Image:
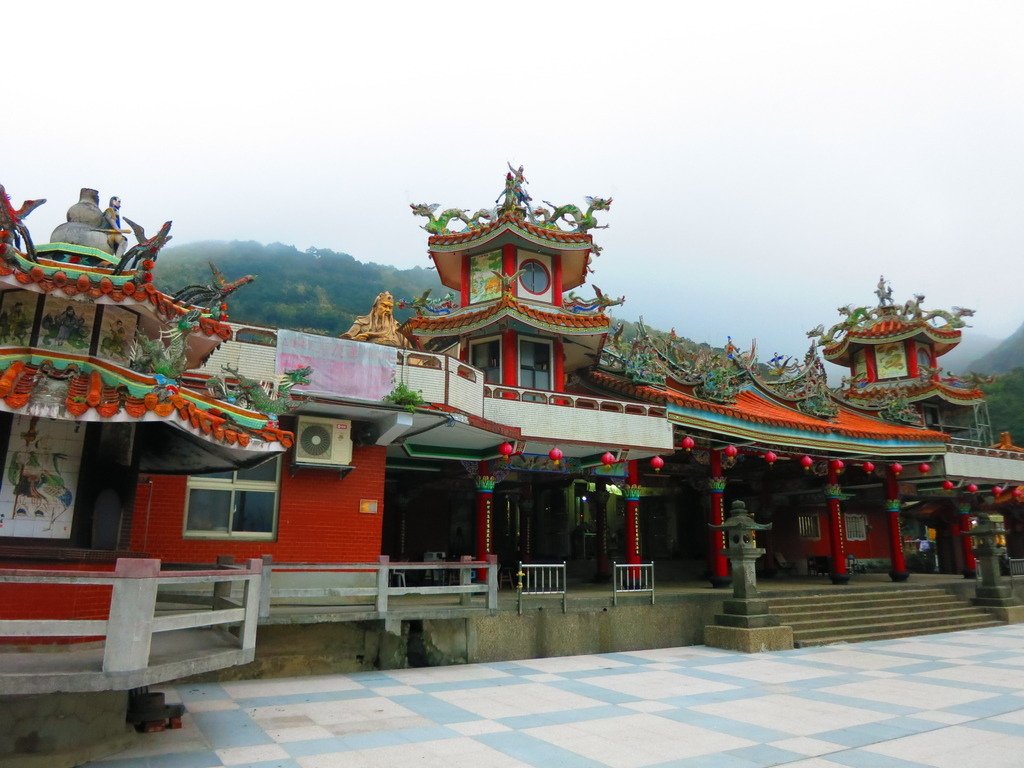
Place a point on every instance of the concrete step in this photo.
(809, 627)
(889, 634)
(867, 614)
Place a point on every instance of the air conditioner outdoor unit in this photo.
(323, 442)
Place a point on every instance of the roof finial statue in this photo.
(12, 224)
(884, 292)
(514, 195)
(379, 326)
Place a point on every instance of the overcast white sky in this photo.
(767, 160)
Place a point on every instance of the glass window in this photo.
(534, 364)
(856, 527)
(534, 276)
(240, 504)
(486, 355)
(809, 528)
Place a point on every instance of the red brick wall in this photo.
(318, 517)
(53, 601)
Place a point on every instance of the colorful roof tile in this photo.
(508, 306)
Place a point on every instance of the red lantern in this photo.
(837, 465)
(771, 457)
(1018, 492)
(924, 468)
(997, 491)
(657, 463)
(688, 443)
(972, 488)
(806, 462)
(896, 468)
(730, 451)
(506, 449)
(608, 458)
(868, 467)
(947, 485)
(555, 454)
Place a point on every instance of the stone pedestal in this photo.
(746, 623)
(992, 593)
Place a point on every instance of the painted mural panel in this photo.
(860, 365)
(117, 329)
(37, 495)
(66, 325)
(17, 312)
(891, 360)
(484, 280)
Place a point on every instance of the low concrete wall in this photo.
(546, 631)
(58, 730)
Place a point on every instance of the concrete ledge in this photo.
(1011, 614)
(758, 640)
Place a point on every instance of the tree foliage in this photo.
(1005, 398)
(317, 290)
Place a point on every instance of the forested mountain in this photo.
(1006, 356)
(316, 290)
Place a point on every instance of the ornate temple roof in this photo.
(477, 317)
(949, 388)
(515, 217)
(887, 323)
(756, 415)
(119, 379)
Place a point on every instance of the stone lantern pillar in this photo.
(745, 623)
(992, 593)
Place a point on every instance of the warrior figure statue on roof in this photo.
(514, 195)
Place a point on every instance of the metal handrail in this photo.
(541, 579)
(632, 579)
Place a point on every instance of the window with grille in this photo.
(240, 504)
(809, 527)
(856, 527)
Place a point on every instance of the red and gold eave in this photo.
(913, 391)
(100, 390)
(889, 329)
(574, 248)
(480, 317)
(757, 416)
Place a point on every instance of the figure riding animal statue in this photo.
(438, 225)
(572, 215)
(251, 394)
(12, 226)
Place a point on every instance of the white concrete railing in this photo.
(132, 620)
(443, 379)
(382, 581)
(541, 579)
(632, 579)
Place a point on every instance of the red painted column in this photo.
(912, 367)
(718, 566)
(558, 366)
(508, 261)
(837, 537)
(870, 364)
(556, 279)
(966, 541)
(892, 509)
(509, 359)
(485, 483)
(464, 293)
(632, 496)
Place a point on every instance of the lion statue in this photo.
(380, 326)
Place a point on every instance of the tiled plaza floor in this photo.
(949, 701)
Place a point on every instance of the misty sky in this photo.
(767, 160)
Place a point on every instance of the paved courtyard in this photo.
(950, 701)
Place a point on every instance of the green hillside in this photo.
(1005, 357)
(317, 290)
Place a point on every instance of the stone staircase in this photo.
(855, 615)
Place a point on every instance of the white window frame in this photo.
(856, 524)
(551, 361)
(501, 361)
(809, 525)
(231, 485)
